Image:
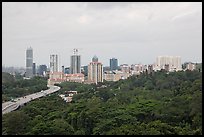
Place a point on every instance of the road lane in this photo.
(10, 106)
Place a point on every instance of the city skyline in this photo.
(131, 32)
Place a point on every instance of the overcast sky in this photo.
(131, 32)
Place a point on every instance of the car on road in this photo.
(12, 100)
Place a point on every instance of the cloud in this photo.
(108, 29)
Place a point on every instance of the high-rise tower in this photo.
(75, 66)
(53, 63)
(95, 71)
(113, 64)
(29, 62)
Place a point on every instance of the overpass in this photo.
(11, 106)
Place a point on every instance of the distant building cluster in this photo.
(172, 63)
(95, 72)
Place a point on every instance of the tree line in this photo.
(157, 104)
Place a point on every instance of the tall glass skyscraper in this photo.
(29, 63)
(75, 63)
(113, 64)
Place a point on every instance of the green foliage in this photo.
(13, 87)
(159, 104)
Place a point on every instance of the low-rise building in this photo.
(79, 77)
(190, 66)
(115, 75)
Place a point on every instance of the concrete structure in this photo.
(55, 77)
(29, 63)
(150, 69)
(34, 69)
(85, 70)
(113, 64)
(166, 67)
(174, 62)
(190, 66)
(63, 69)
(53, 63)
(58, 77)
(67, 70)
(115, 75)
(75, 66)
(125, 68)
(11, 106)
(79, 77)
(95, 71)
(136, 69)
(68, 95)
(42, 69)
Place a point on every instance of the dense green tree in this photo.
(158, 104)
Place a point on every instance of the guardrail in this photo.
(12, 109)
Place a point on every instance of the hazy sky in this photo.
(131, 32)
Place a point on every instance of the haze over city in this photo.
(130, 32)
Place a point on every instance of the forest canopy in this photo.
(157, 104)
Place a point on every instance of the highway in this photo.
(10, 106)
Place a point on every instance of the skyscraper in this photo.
(34, 69)
(53, 63)
(29, 63)
(113, 64)
(95, 71)
(75, 66)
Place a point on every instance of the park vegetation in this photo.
(148, 104)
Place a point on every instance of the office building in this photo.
(67, 70)
(113, 64)
(85, 70)
(29, 63)
(34, 69)
(53, 63)
(42, 69)
(75, 66)
(95, 71)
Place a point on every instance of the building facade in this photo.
(95, 71)
(29, 63)
(174, 62)
(125, 68)
(115, 75)
(53, 63)
(34, 69)
(190, 66)
(75, 66)
(42, 69)
(113, 64)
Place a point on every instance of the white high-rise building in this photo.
(174, 62)
(53, 63)
(29, 62)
